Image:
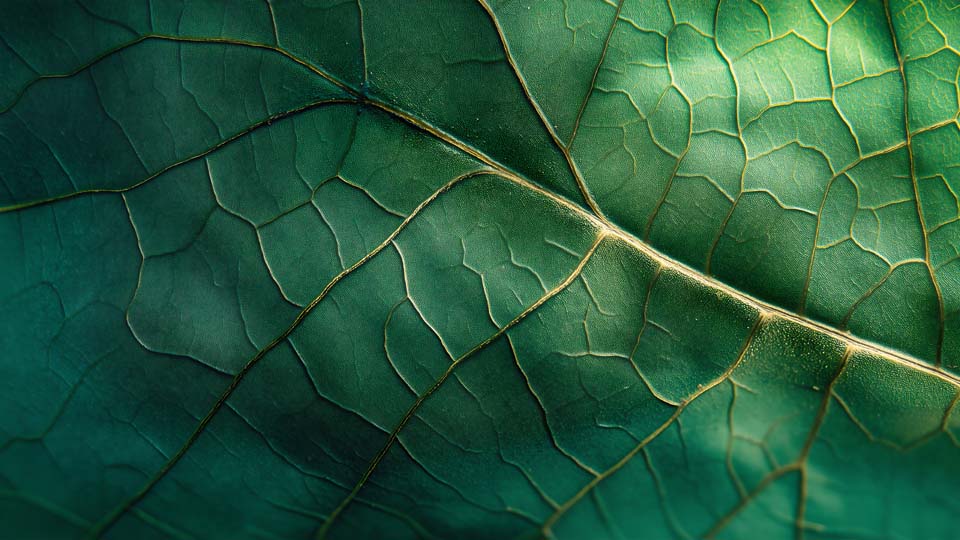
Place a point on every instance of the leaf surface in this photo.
(490, 269)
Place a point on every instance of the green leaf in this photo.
(444, 269)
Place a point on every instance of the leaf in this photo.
(440, 269)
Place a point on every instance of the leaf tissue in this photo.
(565, 269)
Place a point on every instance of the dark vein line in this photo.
(645, 322)
(161, 37)
(586, 489)
(913, 181)
(203, 153)
(596, 72)
(805, 291)
(359, 96)
(45, 505)
(322, 531)
(662, 496)
(873, 289)
(811, 438)
(731, 468)
(169, 530)
(542, 414)
(661, 201)
(764, 483)
(571, 164)
(363, 45)
(106, 20)
(104, 524)
(61, 408)
(273, 23)
(797, 465)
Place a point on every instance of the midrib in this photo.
(610, 228)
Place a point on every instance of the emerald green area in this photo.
(479, 269)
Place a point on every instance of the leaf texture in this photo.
(480, 269)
